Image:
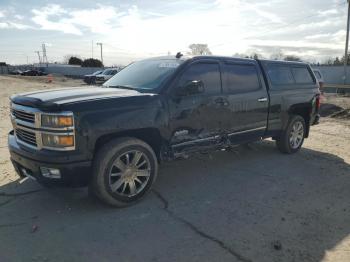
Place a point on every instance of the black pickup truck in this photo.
(113, 137)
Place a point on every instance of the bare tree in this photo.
(292, 58)
(199, 49)
(277, 56)
(255, 56)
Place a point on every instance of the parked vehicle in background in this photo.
(90, 79)
(113, 137)
(33, 72)
(319, 77)
(105, 75)
(16, 72)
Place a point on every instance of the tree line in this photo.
(337, 61)
(89, 62)
(203, 49)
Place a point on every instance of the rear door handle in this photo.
(263, 99)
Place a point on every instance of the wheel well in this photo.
(303, 111)
(149, 135)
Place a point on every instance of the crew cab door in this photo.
(194, 116)
(245, 91)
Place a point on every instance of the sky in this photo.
(134, 29)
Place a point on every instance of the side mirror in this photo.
(192, 87)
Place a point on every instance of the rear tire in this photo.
(292, 138)
(123, 171)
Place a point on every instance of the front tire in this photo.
(123, 171)
(292, 138)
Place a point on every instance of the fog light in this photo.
(50, 172)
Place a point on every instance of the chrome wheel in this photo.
(129, 173)
(296, 135)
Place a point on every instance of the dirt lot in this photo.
(251, 204)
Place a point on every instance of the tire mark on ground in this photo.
(199, 232)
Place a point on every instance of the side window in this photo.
(280, 75)
(241, 78)
(208, 73)
(302, 75)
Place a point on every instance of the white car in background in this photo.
(105, 75)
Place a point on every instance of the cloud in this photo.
(9, 20)
(18, 26)
(337, 37)
(257, 8)
(98, 20)
(318, 36)
(268, 15)
(227, 26)
(13, 25)
(321, 24)
(42, 18)
(19, 17)
(328, 12)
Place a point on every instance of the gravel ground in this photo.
(248, 204)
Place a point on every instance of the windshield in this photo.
(146, 74)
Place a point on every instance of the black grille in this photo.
(26, 136)
(24, 116)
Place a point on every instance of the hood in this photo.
(52, 99)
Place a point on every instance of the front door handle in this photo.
(263, 99)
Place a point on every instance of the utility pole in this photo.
(44, 54)
(100, 44)
(346, 44)
(38, 52)
(92, 48)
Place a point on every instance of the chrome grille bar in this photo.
(30, 117)
(26, 136)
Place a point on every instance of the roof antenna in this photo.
(179, 55)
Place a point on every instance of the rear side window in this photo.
(280, 75)
(241, 78)
(302, 75)
(208, 73)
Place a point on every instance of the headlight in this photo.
(57, 121)
(57, 140)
